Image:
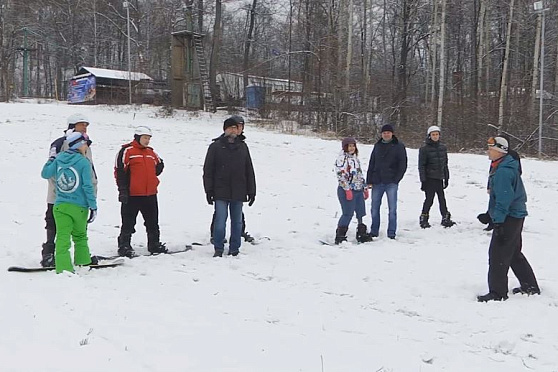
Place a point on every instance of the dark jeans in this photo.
(434, 187)
(350, 207)
(213, 224)
(221, 214)
(149, 209)
(506, 253)
(378, 191)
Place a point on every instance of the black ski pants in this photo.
(505, 252)
(149, 209)
(434, 187)
(49, 217)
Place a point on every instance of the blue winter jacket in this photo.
(72, 174)
(507, 193)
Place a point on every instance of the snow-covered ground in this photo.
(288, 304)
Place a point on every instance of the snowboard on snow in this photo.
(186, 248)
(101, 265)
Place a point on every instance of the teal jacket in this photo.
(507, 193)
(72, 174)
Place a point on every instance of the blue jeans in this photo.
(350, 207)
(377, 193)
(221, 213)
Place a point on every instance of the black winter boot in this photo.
(527, 289)
(48, 249)
(341, 234)
(362, 236)
(154, 245)
(491, 296)
(124, 246)
(446, 220)
(423, 221)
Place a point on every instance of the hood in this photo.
(68, 158)
(509, 162)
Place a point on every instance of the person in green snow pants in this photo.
(75, 205)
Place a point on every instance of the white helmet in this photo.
(433, 128)
(77, 118)
(143, 131)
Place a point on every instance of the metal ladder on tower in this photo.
(204, 74)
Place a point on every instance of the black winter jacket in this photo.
(388, 162)
(228, 173)
(433, 161)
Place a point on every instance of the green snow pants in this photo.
(71, 220)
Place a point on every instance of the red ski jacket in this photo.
(136, 169)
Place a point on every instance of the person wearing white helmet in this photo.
(434, 176)
(76, 123)
(136, 172)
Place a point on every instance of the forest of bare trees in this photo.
(471, 67)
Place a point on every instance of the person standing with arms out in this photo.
(351, 192)
(388, 164)
(76, 123)
(507, 208)
(136, 171)
(75, 205)
(228, 180)
(434, 176)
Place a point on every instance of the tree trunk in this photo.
(434, 58)
(215, 50)
(536, 66)
(349, 45)
(248, 43)
(504, 80)
(442, 64)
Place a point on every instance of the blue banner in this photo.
(82, 89)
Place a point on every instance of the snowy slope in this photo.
(288, 304)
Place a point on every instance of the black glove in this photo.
(92, 215)
(484, 218)
(251, 199)
(159, 167)
(123, 197)
(499, 232)
(423, 186)
(210, 198)
(446, 183)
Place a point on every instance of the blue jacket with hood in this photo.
(507, 193)
(72, 175)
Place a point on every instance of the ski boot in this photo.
(125, 248)
(362, 236)
(48, 260)
(341, 234)
(157, 248)
(446, 220)
(248, 238)
(491, 296)
(423, 221)
(527, 289)
(48, 249)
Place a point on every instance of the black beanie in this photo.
(230, 122)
